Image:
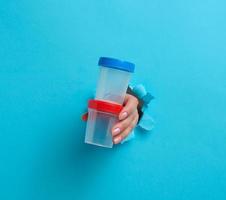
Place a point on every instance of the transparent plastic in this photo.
(98, 129)
(112, 85)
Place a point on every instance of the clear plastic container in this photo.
(113, 80)
(101, 118)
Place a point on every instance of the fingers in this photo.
(131, 103)
(119, 137)
(128, 119)
(85, 116)
(122, 125)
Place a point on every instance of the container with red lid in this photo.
(102, 115)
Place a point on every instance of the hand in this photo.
(128, 119)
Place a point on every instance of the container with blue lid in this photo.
(113, 79)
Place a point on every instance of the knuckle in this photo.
(135, 100)
(124, 124)
(133, 124)
(136, 113)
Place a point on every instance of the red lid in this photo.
(105, 106)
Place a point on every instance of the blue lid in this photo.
(116, 64)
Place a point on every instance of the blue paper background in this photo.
(48, 55)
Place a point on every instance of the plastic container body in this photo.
(112, 85)
(102, 116)
(98, 128)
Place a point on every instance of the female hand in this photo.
(128, 119)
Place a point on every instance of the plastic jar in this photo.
(113, 79)
(102, 116)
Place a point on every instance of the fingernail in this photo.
(123, 115)
(117, 139)
(116, 131)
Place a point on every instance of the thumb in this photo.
(85, 116)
